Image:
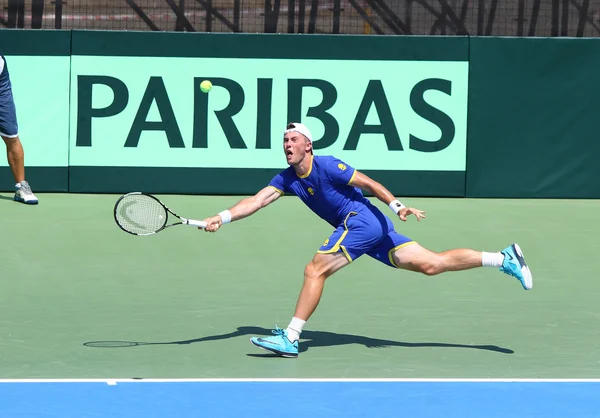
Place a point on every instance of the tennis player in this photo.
(9, 131)
(333, 190)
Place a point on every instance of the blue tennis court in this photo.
(315, 398)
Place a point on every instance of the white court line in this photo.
(112, 381)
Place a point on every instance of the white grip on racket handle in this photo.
(192, 222)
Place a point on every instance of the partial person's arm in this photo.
(243, 208)
(375, 188)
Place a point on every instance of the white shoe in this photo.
(24, 194)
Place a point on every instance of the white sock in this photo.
(294, 329)
(17, 185)
(492, 259)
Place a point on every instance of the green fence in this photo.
(427, 116)
(534, 118)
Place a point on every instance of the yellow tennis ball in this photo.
(205, 86)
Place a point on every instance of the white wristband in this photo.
(225, 216)
(396, 206)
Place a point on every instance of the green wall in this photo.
(534, 114)
(427, 116)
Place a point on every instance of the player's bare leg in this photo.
(285, 341)
(414, 257)
(417, 258)
(316, 272)
(16, 157)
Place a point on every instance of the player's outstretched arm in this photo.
(364, 182)
(243, 208)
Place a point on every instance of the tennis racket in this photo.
(143, 214)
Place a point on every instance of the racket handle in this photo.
(193, 222)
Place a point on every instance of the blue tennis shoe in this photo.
(278, 344)
(514, 265)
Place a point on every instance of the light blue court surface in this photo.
(316, 398)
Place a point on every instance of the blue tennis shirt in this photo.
(325, 188)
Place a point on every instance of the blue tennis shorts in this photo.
(366, 232)
(8, 113)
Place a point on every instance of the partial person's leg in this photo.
(16, 157)
(285, 342)
(417, 258)
(316, 272)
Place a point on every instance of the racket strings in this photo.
(141, 214)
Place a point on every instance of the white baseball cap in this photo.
(300, 128)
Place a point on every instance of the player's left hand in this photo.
(408, 211)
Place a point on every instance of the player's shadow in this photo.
(309, 339)
(2, 197)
